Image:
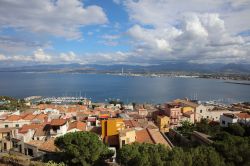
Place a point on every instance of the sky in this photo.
(136, 32)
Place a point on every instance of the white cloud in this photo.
(2, 57)
(117, 1)
(162, 13)
(59, 18)
(68, 57)
(192, 30)
(41, 56)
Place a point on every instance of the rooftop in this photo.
(58, 122)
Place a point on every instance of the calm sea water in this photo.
(128, 89)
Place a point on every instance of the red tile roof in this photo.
(143, 136)
(13, 118)
(243, 115)
(58, 122)
(41, 117)
(47, 146)
(77, 125)
(25, 128)
(29, 117)
(131, 123)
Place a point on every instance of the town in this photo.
(32, 131)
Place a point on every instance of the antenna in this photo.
(122, 70)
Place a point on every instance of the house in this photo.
(38, 148)
(188, 116)
(211, 112)
(77, 126)
(26, 132)
(231, 118)
(58, 127)
(13, 121)
(227, 118)
(127, 136)
(163, 123)
(112, 126)
(153, 136)
(5, 138)
(173, 110)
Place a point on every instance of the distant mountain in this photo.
(165, 67)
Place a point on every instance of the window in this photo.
(207, 117)
(223, 122)
(123, 142)
(17, 125)
(6, 126)
(200, 111)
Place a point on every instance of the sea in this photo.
(103, 87)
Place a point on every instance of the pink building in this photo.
(173, 110)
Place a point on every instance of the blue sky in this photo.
(124, 31)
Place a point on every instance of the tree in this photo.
(203, 126)
(82, 148)
(235, 149)
(236, 129)
(186, 127)
(150, 154)
(142, 154)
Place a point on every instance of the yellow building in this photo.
(112, 126)
(187, 109)
(163, 122)
(127, 136)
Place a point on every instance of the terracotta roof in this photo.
(41, 116)
(158, 137)
(13, 118)
(72, 109)
(29, 117)
(77, 125)
(25, 128)
(40, 131)
(36, 143)
(143, 136)
(131, 123)
(58, 122)
(47, 146)
(243, 115)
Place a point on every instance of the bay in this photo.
(99, 87)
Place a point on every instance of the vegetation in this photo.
(235, 149)
(148, 154)
(12, 104)
(82, 148)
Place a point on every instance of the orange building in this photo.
(112, 126)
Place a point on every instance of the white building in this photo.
(230, 118)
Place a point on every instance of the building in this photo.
(127, 136)
(173, 111)
(5, 138)
(227, 118)
(58, 127)
(112, 126)
(163, 122)
(231, 118)
(14, 121)
(212, 113)
(77, 126)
